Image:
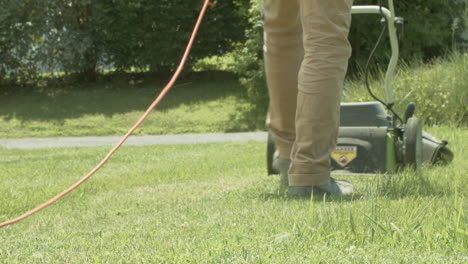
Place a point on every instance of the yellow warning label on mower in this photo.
(343, 155)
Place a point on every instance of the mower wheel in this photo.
(271, 148)
(412, 140)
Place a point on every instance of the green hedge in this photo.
(77, 36)
(17, 26)
(154, 33)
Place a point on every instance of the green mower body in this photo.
(369, 144)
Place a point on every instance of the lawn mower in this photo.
(372, 141)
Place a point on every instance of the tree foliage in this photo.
(429, 30)
(153, 34)
(81, 36)
(17, 23)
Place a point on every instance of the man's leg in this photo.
(283, 53)
(325, 30)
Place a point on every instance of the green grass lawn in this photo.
(209, 102)
(213, 203)
(195, 105)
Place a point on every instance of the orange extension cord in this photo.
(124, 138)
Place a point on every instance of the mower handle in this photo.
(390, 18)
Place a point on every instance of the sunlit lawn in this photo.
(195, 105)
(213, 203)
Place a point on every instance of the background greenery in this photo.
(48, 49)
(438, 88)
(429, 37)
(85, 37)
(431, 29)
(210, 102)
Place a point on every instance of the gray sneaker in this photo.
(335, 187)
(282, 166)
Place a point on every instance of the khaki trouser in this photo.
(306, 55)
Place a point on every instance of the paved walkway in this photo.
(60, 142)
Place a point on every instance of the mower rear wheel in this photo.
(412, 141)
(271, 148)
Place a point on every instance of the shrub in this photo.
(439, 89)
(18, 22)
(250, 67)
(153, 34)
(75, 36)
